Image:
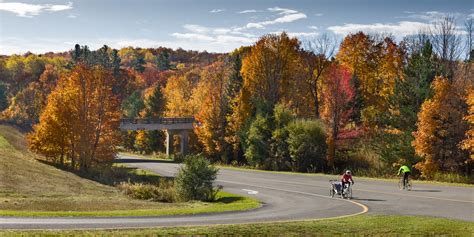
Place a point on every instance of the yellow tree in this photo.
(213, 109)
(377, 64)
(268, 70)
(440, 129)
(468, 142)
(178, 95)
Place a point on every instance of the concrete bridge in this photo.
(172, 127)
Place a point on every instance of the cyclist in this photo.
(346, 178)
(405, 170)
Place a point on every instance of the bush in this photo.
(307, 145)
(164, 191)
(194, 179)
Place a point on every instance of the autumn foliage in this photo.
(79, 124)
(276, 104)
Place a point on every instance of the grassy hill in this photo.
(29, 187)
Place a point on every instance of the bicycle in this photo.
(403, 186)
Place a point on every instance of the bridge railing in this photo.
(157, 120)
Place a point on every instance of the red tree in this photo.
(337, 94)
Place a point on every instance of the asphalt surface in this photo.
(284, 197)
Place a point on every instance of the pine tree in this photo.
(138, 63)
(163, 61)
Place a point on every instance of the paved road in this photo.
(285, 197)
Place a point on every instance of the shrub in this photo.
(164, 191)
(307, 145)
(194, 179)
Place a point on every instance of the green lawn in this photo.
(225, 202)
(352, 226)
(31, 188)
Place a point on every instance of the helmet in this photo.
(348, 172)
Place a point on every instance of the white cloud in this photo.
(31, 10)
(402, 28)
(204, 30)
(72, 16)
(282, 11)
(192, 36)
(319, 14)
(248, 11)
(216, 10)
(284, 19)
(430, 16)
(225, 39)
(313, 27)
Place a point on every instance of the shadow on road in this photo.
(426, 190)
(368, 199)
(229, 199)
(142, 161)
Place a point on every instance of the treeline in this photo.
(368, 103)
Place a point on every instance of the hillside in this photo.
(27, 184)
(31, 188)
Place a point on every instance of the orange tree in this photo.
(80, 120)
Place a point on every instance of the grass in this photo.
(31, 188)
(225, 202)
(363, 225)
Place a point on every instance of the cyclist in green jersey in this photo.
(405, 170)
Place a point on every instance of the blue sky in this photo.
(214, 25)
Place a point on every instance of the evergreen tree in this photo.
(133, 104)
(138, 63)
(3, 96)
(163, 61)
(155, 103)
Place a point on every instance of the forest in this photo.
(366, 102)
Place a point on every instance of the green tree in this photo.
(163, 61)
(155, 102)
(258, 137)
(195, 179)
(138, 63)
(307, 145)
(154, 107)
(280, 155)
(3, 96)
(133, 104)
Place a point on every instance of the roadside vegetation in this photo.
(364, 225)
(31, 187)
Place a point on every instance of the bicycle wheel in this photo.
(409, 185)
(349, 193)
(400, 184)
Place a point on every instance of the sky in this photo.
(41, 26)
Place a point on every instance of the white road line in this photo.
(364, 207)
(253, 192)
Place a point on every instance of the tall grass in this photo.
(453, 178)
(164, 191)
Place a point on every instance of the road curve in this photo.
(285, 197)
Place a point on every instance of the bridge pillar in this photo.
(169, 142)
(184, 141)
